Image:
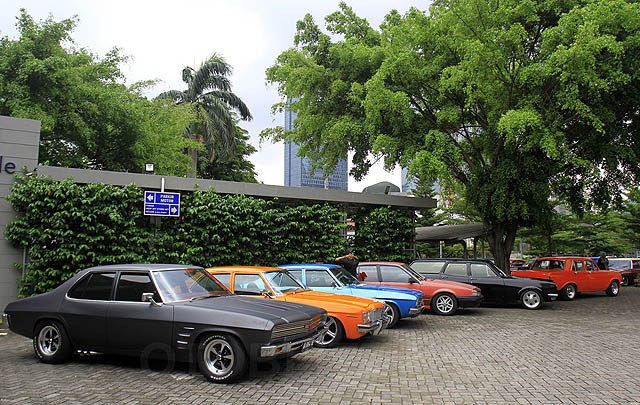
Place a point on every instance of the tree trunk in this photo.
(193, 153)
(501, 237)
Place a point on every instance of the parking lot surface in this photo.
(583, 352)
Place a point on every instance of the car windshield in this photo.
(343, 276)
(281, 281)
(619, 264)
(413, 272)
(548, 264)
(187, 284)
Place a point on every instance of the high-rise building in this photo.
(297, 170)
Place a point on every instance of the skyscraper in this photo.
(297, 170)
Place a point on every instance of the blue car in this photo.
(401, 302)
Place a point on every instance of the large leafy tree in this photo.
(90, 119)
(214, 104)
(232, 166)
(511, 100)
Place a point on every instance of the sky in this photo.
(163, 36)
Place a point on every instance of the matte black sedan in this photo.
(153, 308)
(496, 286)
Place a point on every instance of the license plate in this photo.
(307, 345)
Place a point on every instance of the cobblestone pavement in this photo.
(583, 352)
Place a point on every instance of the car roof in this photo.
(237, 269)
(141, 267)
(324, 265)
(397, 263)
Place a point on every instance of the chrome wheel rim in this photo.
(388, 311)
(571, 292)
(531, 299)
(614, 288)
(218, 356)
(49, 340)
(444, 304)
(330, 334)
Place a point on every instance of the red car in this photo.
(573, 275)
(443, 297)
(628, 268)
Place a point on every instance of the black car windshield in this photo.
(343, 276)
(187, 284)
(619, 264)
(413, 272)
(282, 282)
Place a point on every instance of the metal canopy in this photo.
(449, 233)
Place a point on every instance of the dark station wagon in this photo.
(145, 308)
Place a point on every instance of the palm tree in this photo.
(210, 96)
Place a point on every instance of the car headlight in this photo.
(418, 302)
(367, 316)
(475, 293)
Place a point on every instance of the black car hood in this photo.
(258, 307)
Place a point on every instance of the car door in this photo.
(490, 283)
(596, 280)
(397, 276)
(84, 310)
(134, 325)
(368, 274)
(320, 280)
(580, 276)
(455, 271)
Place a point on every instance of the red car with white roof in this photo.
(443, 297)
(573, 275)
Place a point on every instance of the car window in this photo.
(456, 269)
(319, 278)
(428, 267)
(481, 270)
(188, 284)
(248, 284)
(636, 264)
(96, 286)
(343, 276)
(368, 273)
(393, 274)
(297, 274)
(578, 266)
(619, 264)
(590, 265)
(131, 286)
(282, 281)
(549, 264)
(224, 278)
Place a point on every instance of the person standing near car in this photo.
(349, 262)
(603, 262)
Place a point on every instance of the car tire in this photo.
(333, 336)
(444, 304)
(625, 281)
(51, 342)
(614, 289)
(221, 358)
(569, 292)
(392, 311)
(531, 299)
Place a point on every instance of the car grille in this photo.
(377, 313)
(296, 328)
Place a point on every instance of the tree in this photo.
(89, 118)
(209, 95)
(513, 101)
(233, 166)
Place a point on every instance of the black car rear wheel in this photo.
(221, 358)
(613, 289)
(444, 304)
(333, 336)
(569, 292)
(51, 342)
(393, 312)
(531, 299)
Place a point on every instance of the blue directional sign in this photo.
(161, 204)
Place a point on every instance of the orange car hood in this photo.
(330, 301)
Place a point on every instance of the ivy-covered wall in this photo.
(67, 227)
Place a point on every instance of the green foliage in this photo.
(383, 234)
(515, 101)
(90, 119)
(67, 227)
(232, 165)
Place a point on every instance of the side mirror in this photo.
(265, 293)
(412, 280)
(148, 297)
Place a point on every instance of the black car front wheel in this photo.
(444, 304)
(614, 289)
(221, 358)
(531, 299)
(51, 342)
(333, 335)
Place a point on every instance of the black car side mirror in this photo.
(148, 297)
(412, 280)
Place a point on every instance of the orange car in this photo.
(349, 316)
